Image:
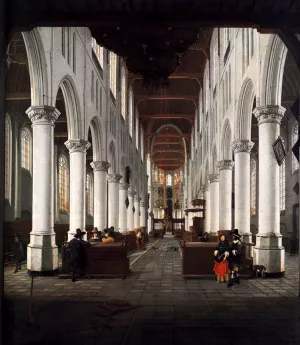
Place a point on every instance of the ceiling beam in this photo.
(163, 142)
(176, 75)
(167, 151)
(166, 116)
(151, 97)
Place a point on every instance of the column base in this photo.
(247, 237)
(270, 253)
(42, 253)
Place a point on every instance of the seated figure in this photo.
(95, 236)
(109, 238)
(221, 255)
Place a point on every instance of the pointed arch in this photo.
(273, 69)
(72, 106)
(96, 131)
(37, 68)
(244, 110)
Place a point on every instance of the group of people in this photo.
(108, 237)
(227, 259)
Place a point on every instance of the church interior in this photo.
(150, 172)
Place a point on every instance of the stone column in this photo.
(17, 170)
(143, 214)
(137, 200)
(225, 196)
(77, 149)
(100, 169)
(214, 203)
(206, 191)
(113, 200)
(268, 250)
(123, 194)
(130, 217)
(42, 252)
(242, 149)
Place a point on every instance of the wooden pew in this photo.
(102, 259)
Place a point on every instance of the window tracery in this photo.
(25, 149)
(123, 92)
(63, 184)
(99, 52)
(113, 73)
(295, 163)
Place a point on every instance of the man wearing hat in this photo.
(19, 252)
(95, 236)
(75, 253)
(235, 258)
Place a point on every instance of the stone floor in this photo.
(154, 305)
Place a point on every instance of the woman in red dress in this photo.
(221, 256)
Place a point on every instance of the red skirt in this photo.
(221, 269)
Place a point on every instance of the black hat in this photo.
(235, 233)
(79, 233)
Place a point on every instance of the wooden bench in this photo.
(189, 236)
(102, 259)
(197, 259)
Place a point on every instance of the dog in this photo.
(259, 270)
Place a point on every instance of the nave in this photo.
(155, 305)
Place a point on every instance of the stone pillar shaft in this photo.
(225, 196)
(100, 193)
(206, 193)
(123, 193)
(137, 212)
(242, 149)
(130, 216)
(42, 252)
(143, 214)
(268, 250)
(77, 149)
(113, 200)
(214, 203)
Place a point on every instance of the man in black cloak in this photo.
(75, 254)
(235, 258)
(19, 252)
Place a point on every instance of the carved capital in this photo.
(137, 198)
(124, 186)
(213, 178)
(114, 178)
(77, 145)
(41, 114)
(131, 193)
(242, 146)
(100, 166)
(269, 113)
(226, 164)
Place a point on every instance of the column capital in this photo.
(100, 166)
(77, 145)
(42, 113)
(213, 178)
(226, 164)
(124, 186)
(114, 178)
(242, 146)
(206, 187)
(131, 193)
(137, 198)
(269, 113)
(142, 204)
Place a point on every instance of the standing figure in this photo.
(19, 252)
(95, 237)
(109, 237)
(75, 253)
(221, 255)
(235, 258)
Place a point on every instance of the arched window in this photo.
(123, 92)
(63, 184)
(169, 180)
(113, 73)
(130, 111)
(253, 187)
(25, 149)
(89, 195)
(99, 52)
(7, 157)
(282, 186)
(295, 163)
